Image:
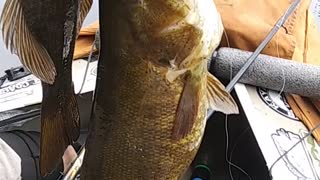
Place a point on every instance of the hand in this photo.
(68, 157)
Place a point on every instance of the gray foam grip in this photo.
(269, 72)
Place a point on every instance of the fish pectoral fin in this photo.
(85, 6)
(20, 41)
(218, 98)
(187, 110)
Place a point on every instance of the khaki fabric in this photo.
(89, 30)
(316, 103)
(85, 40)
(246, 25)
(307, 111)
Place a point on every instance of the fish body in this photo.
(42, 34)
(153, 88)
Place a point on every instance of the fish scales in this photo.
(152, 93)
(141, 129)
(42, 34)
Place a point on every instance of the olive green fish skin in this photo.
(136, 100)
(42, 34)
(132, 139)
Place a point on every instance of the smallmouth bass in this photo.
(153, 88)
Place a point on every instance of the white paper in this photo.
(277, 130)
(28, 90)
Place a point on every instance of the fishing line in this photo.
(73, 170)
(289, 150)
(226, 120)
(227, 147)
(278, 55)
(237, 141)
(227, 130)
(283, 84)
(88, 63)
(226, 123)
(229, 160)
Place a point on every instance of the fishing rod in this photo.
(76, 165)
(260, 48)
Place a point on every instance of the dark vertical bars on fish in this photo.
(42, 34)
(153, 88)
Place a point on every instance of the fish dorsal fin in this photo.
(187, 110)
(85, 6)
(20, 41)
(218, 98)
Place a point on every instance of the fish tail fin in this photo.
(60, 125)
